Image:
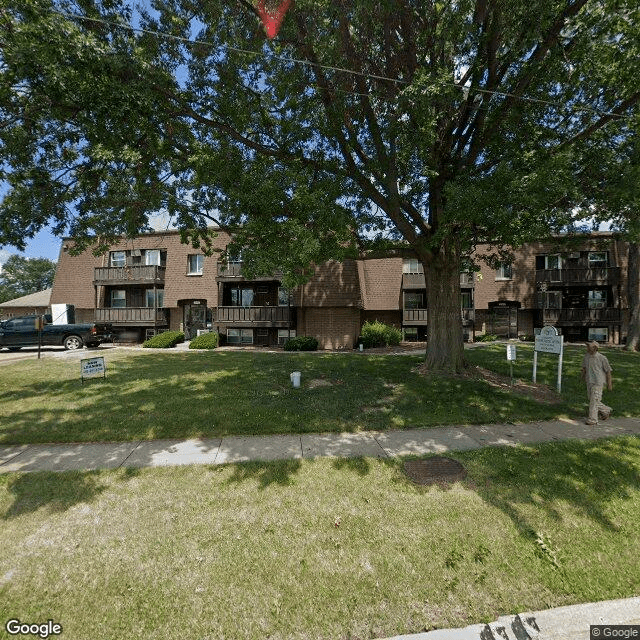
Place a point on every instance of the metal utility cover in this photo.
(436, 469)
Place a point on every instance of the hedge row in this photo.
(301, 343)
(205, 341)
(164, 340)
(378, 334)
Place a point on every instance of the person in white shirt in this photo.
(596, 372)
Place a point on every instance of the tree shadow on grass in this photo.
(587, 476)
(57, 491)
(278, 472)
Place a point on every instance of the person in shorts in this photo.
(596, 372)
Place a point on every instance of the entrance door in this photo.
(503, 322)
(195, 317)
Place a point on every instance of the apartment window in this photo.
(413, 300)
(598, 259)
(118, 259)
(157, 301)
(240, 336)
(412, 265)
(241, 297)
(284, 334)
(553, 261)
(597, 299)
(118, 298)
(283, 297)
(552, 300)
(410, 334)
(599, 334)
(195, 265)
(152, 257)
(504, 272)
(467, 302)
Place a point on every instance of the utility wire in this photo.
(372, 76)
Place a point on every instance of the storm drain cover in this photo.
(436, 469)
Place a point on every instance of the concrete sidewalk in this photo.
(562, 623)
(155, 453)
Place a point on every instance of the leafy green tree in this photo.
(436, 125)
(21, 276)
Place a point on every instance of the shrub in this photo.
(487, 337)
(164, 340)
(378, 334)
(301, 343)
(205, 341)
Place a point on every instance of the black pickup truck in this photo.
(22, 331)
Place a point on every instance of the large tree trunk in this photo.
(633, 271)
(445, 346)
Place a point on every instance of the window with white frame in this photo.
(553, 261)
(598, 259)
(504, 271)
(599, 334)
(157, 301)
(466, 299)
(597, 299)
(118, 298)
(118, 259)
(195, 265)
(152, 257)
(240, 336)
(412, 265)
(285, 334)
(552, 300)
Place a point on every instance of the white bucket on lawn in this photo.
(295, 379)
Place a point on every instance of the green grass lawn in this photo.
(186, 394)
(319, 549)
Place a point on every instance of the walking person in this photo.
(596, 372)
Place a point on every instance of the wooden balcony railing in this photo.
(419, 316)
(135, 274)
(416, 280)
(593, 275)
(132, 316)
(255, 316)
(556, 316)
(233, 271)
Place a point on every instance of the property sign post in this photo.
(511, 356)
(548, 341)
(92, 367)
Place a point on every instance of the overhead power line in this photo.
(370, 76)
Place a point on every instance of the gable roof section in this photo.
(334, 284)
(37, 299)
(381, 283)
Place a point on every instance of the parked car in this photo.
(22, 331)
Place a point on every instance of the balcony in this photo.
(254, 316)
(412, 317)
(586, 276)
(233, 271)
(581, 316)
(132, 316)
(134, 274)
(417, 281)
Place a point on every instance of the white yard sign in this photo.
(92, 367)
(548, 341)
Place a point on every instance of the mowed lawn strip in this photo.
(319, 549)
(212, 394)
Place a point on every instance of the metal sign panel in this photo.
(92, 367)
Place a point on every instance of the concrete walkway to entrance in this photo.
(380, 444)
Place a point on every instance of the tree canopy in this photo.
(435, 124)
(21, 276)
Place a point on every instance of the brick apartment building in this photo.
(155, 283)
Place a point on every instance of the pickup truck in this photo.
(22, 331)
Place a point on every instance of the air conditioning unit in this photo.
(201, 332)
(136, 252)
(574, 256)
